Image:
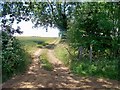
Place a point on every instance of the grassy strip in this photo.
(61, 53)
(99, 68)
(44, 61)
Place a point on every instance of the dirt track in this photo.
(60, 77)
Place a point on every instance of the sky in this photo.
(27, 29)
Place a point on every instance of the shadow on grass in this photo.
(42, 44)
(38, 42)
(50, 46)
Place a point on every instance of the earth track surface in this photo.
(59, 77)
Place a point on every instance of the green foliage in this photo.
(61, 53)
(102, 68)
(14, 58)
(45, 63)
(52, 14)
(96, 24)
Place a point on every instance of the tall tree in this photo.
(95, 24)
(54, 14)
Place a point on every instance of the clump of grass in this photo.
(61, 53)
(44, 62)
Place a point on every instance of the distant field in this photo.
(32, 43)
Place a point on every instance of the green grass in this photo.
(61, 53)
(104, 68)
(32, 43)
(44, 61)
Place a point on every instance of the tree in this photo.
(95, 24)
(53, 14)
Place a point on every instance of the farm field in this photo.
(31, 44)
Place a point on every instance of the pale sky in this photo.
(27, 29)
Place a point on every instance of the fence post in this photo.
(80, 52)
(90, 53)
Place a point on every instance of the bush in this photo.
(102, 68)
(14, 58)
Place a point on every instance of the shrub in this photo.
(14, 58)
(102, 68)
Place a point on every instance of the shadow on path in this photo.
(60, 77)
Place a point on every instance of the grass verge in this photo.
(61, 53)
(104, 68)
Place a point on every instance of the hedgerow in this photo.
(14, 58)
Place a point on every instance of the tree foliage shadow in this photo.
(43, 44)
(50, 46)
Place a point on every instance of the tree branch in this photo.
(52, 10)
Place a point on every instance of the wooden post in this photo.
(90, 53)
(80, 52)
